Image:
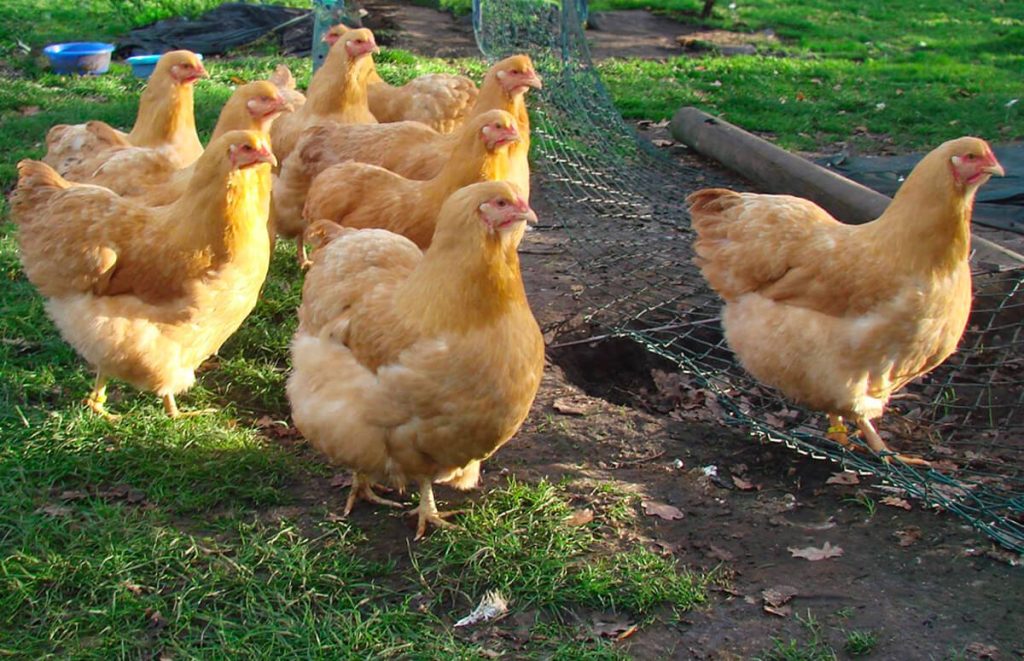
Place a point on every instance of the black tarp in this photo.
(1000, 202)
(219, 30)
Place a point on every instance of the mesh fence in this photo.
(621, 203)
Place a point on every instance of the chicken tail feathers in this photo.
(37, 182)
(464, 478)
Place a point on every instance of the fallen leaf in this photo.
(627, 633)
(811, 553)
(155, 619)
(778, 595)
(54, 509)
(893, 501)
(659, 142)
(662, 124)
(982, 651)
(744, 485)
(573, 405)
(341, 480)
(908, 536)
(237, 81)
(781, 611)
(580, 517)
(720, 553)
(800, 96)
(131, 587)
(264, 422)
(845, 478)
(73, 494)
(28, 111)
(661, 510)
(612, 628)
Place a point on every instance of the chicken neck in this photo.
(340, 84)
(166, 115)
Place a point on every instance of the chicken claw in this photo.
(98, 397)
(362, 489)
(879, 446)
(428, 513)
(171, 407)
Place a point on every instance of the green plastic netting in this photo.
(640, 283)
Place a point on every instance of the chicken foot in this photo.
(362, 489)
(98, 397)
(171, 407)
(427, 511)
(840, 433)
(301, 254)
(876, 443)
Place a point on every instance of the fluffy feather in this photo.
(364, 196)
(409, 149)
(838, 317)
(410, 367)
(165, 122)
(336, 94)
(146, 294)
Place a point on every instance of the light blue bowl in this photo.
(143, 65)
(83, 57)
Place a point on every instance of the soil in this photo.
(923, 581)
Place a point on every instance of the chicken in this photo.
(441, 101)
(165, 121)
(150, 175)
(143, 294)
(839, 317)
(363, 196)
(409, 149)
(337, 91)
(412, 366)
(285, 81)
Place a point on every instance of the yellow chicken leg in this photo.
(362, 489)
(300, 253)
(427, 511)
(876, 443)
(171, 407)
(98, 397)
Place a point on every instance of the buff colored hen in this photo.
(364, 196)
(152, 176)
(416, 367)
(336, 94)
(441, 101)
(839, 317)
(165, 122)
(146, 294)
(409, 149)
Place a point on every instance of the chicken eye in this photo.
(502, 203)
(971, 157)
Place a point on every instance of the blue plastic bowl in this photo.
(143, 65)
(84, 57)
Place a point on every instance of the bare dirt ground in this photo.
(925, 583)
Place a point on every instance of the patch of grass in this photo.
(516, 541)
(860, 643)
(814, 648)
(863, 500)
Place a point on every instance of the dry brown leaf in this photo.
(908, 536)
(154, 619)
(744, 485)
(580, 517)
(662, 124)
(811, 553)
(131, 587)
(983, 651)
(73, 494)
(341, 480)
(893, 501)
(778, 595)
(845, 478)
(612, 628)
(720, 553)
(658, 142)
(264, 422)
(661, 510)
(28, 111)
(53, 509)
(573, 405)
(781, 611)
